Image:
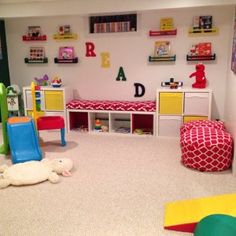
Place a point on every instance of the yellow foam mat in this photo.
(192, 211)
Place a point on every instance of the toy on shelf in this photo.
(36, 55)
(172, 84)
(13, 97)
(34, 34)
(66, 55)
(33, 172)
(166, 28)
(64, 33)
(56, 82)
(202, 25)
(162, 52)
(201, 52)
(98, 125)
(200, 78)
(42, 81)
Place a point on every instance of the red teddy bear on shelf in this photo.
(199, 76)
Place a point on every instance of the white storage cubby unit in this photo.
(53, 100)
(175, 106)
(125, 122)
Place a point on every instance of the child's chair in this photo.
(45, 122)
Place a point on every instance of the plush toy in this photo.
(33, 172)
(199, 76)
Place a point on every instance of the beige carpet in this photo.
(119, 187)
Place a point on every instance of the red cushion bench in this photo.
(143, 106)
(135, 115)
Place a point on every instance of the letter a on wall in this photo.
(105, 59)
(90, 47)
(139, 90)
(121, 75)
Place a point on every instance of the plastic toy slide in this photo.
(23, 140)
(185, 215)
(4, 148)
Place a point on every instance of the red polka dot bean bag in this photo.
(206, 149)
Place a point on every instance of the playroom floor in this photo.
(119, 187)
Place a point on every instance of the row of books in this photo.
(123, 26)
(163, 49)
(38, 53)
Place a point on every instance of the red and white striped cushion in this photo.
(146, 106)
(206, 149)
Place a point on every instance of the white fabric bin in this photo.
(196, 104)
(169, 125)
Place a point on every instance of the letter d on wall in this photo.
(139, 90)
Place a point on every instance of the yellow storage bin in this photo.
(192, 118)
(171, 103)
(54, 100)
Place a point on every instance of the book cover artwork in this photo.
(202, 22)
(64, 29)
(34, 31)
(162, 48)
(66, 53)
(37, 54)
(166, 24)
(201, 49)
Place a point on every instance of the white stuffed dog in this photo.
(33, 172)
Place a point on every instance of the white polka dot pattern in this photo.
(206, 149)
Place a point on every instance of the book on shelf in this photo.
(37, 54)
(202, 22)
(201, 49)
(162, 49)
(34, 31)
(64, 29)
(66, 52)
(166, 24)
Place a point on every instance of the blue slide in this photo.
(23, 140)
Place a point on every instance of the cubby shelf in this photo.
(32, 38)
(162, 58)
(211, 57)
(197, 32)
(133, 122)
(30, 61)
(65, 36)
(65, 61)
(162, 32)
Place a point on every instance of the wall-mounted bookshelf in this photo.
(162, 58)
(211, 57)
(113, 23)
(203, 25)
(162, 32)
(34, 61)
(34, 33)
(198, 32)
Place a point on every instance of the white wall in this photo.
(130, 50)
(29, 8)
(230, 108)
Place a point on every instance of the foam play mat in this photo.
(184, 215)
